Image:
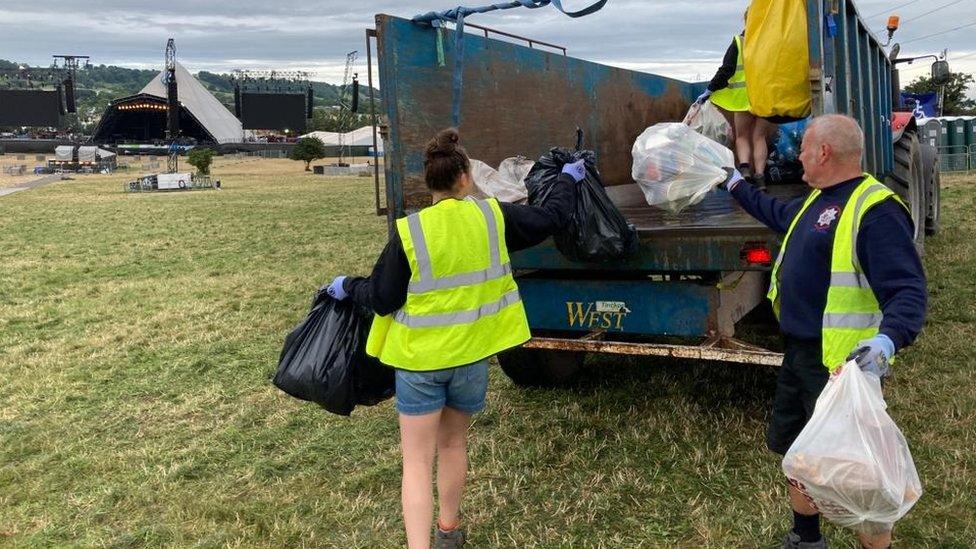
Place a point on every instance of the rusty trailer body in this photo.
(692, 276)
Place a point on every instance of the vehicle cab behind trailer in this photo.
(696, 274)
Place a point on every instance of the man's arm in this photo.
(526, 226)
(886, 251)
(385, 290)
(774, 213)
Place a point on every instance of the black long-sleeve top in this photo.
(729, 62)
(885, 250)
(385, 290)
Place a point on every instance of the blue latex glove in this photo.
(733, 180)
(872, 355)
(703, 97)
(336, 290)
(576, 170)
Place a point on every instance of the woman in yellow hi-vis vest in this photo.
(727, 90)
(446, 302)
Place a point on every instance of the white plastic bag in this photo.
(507, 183)
(851, 459)
(706, 119)
(676, 167)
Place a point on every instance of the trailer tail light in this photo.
(757, 255)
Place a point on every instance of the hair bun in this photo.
(446, 141)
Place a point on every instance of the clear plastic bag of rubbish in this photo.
(706, 119)
(507, 183)
(851, 460)
(676, 166)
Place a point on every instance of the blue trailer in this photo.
(697, 273)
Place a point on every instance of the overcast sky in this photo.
(682, 39)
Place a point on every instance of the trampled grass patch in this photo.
(138, 334)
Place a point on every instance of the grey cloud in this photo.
(317, 34)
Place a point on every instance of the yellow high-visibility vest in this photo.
(852, 312)
(734, 97)
(462, 303)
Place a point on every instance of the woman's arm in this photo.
(385, 290)
(526, 226)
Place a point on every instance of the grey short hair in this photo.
(842, 133)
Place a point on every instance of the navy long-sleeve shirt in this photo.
(385, 290)
(885, 251)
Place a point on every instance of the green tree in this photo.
(331, 119)
(308, 149)
(953, 92)
(201, 160)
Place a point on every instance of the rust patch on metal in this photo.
(519, 101)
(685, 352)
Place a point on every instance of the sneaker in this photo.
(448, 540)
(792, 541)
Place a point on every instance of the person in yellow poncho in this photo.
(727, 90)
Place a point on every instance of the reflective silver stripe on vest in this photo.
(858, 321)
(486, 210)
(734, 85)
(458, 280)
(462, 317)
(740, 68)
(428, 283)
(420, 247)
(856, 222)
(848, 280)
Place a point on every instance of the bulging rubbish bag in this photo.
(676, 166)
(851, 459)
(324, 358)
(598, 231)
(507, 183)
(789, 139)
(706, 119)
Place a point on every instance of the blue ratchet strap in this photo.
(457, 16)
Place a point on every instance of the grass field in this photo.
(138, 334)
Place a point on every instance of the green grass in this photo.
(138, 334)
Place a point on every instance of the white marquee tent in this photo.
(360, 137)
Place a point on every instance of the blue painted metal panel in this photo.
(859, 71)
(515, 100)
(632, 307)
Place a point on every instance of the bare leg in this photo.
(876, 541)
(452, 464)
(418, 437)
(744, 124)
(760, 145)
(800, 504)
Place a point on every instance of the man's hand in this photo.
(872, 355)
(336, 290)
(576, 170)
(703, 97)
(733, 180)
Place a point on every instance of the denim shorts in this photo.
(462, 388)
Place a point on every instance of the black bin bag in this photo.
(324, 358)
(598, 231)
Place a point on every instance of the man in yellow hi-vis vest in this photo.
(848, 284)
